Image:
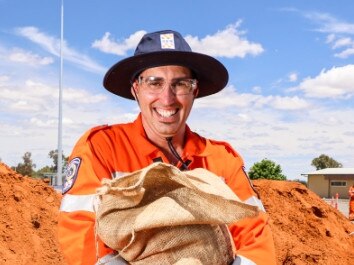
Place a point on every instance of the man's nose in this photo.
(167, 93)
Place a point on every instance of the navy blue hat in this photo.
(161, 48)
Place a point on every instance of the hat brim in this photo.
(212, 76)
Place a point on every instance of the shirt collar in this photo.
(195, 144)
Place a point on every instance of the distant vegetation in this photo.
(266, 169)
(27, 167)
(324, 161)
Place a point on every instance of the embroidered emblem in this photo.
(167, 41)
(71, 173)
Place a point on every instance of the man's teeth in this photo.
(166, 113)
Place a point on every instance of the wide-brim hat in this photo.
(166, 48)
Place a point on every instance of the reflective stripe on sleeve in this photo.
(73, 203)
(255, 202)
(118, 174)
(112, 259)
(241, 260)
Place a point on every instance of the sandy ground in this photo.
(342, 206)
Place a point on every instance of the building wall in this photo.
(319, 185)
(342, 192)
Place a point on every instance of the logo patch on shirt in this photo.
(71, 174)
(167, 41)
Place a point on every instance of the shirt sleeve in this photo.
(253, 237)
(76, 232)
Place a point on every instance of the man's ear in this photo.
(133, 90)
(196, 92)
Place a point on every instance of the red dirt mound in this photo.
(306, 229)
(28, 220)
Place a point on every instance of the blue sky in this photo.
(290, 97)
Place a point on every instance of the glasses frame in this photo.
(191, 81)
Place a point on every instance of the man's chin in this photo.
(167, 133)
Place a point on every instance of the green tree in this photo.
(45, 169)
(27, 167)
(54, 155)
(266, 169)
(324, 161)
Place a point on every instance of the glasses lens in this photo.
(156, 85)
(183, 86)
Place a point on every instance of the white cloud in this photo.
(287, 103)
(26, 57)
(345, 43)
(108, 45)
(52, 45)
(229, 43)
(30, 96)
(81, 96)
(4, 78)
(256, 89)
(330, 24)
(49, 43)
(337, 30)
(337, 82)
(346, 53)
(257, 133)
(342, 42)
(29, 120)
(230, 98)
(330, 38)
(40, 98)
(41, 123)
(292, 77)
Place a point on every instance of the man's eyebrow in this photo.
(173, 79)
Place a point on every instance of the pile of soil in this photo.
(28, 220)
(306, 229)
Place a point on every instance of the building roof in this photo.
(332, 171)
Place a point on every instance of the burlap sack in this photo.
(160, 215)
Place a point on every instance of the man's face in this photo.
(164, 114)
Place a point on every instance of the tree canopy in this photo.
(324, 161)
(53, 154)
(27, 167)
(266, 169)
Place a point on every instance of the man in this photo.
(164, 76)
(351, 203)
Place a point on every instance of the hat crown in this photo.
(160, 41)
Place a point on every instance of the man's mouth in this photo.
(166, 113)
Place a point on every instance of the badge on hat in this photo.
(167, 41)
(71, 174)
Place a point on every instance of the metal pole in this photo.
(60, 122)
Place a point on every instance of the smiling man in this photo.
(165, 95)
(164, 77)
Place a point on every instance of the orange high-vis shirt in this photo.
(351, 203)
(112, 151)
